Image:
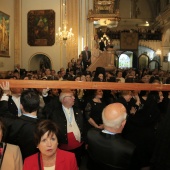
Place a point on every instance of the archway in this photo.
(143, 61)
(40, 62)
(154, 64)
(126, 59)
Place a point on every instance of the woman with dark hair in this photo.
(100, 74)
(10, 155)
(94, 108)
(141, 127)
(49, 157)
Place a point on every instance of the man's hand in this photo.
(5, 87)
(45, 92)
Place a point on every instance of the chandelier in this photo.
(105, 37)
(64, 36)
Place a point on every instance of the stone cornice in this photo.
(96, 17)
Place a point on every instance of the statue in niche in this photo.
(44, 63)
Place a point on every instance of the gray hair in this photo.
(63, 94)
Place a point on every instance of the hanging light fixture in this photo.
(105, 38)
(64, 36)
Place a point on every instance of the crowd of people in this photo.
(46, 125)
(55, 128)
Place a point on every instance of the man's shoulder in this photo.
(23, 120)
(27, 119)
(12, 148)
(93, 132)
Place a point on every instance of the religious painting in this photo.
(41, 27)
(165, 58)
(129, 41)
(4, 34)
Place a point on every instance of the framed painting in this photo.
(41, 27)
(165, 58)
(4, 34)
(129, 41)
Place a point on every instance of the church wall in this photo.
(28, 51)
(7, 63)
(85, 30)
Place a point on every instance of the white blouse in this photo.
(50, 168)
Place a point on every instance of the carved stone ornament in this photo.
(104, 9)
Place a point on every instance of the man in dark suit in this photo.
(22, 72)
(14, 101)
(70, 121)
(102, 45)
(22, 129)
(107, 149)
(86, 57)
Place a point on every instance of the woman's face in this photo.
(128, 97)
(54, 92)
(77, 79)
(100, 76)
(48, 144)
(99, 93)
(88, 78)
(83, 78)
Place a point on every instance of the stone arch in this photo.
(36, 59)
(146, 46)
(154, 64)
(143, 63)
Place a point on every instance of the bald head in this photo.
(114, 116)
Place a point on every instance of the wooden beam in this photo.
(85, 85)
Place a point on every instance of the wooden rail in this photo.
(85, 85)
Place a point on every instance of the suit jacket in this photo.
(12, 106)
(58, 116)
(64, 161)
(84, 56)
(22, 134)
(109, 152)
(21, 71)
(12, 158)
(3, 107)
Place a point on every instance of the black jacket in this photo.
(22, 134)
(58, 116)
(109, 152)
(12, 106)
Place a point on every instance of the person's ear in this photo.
(22, 108)
(123, 123)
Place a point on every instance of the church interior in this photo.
(137, 29)
(113, 48)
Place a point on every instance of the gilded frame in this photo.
(41, 27)
(4, 34)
